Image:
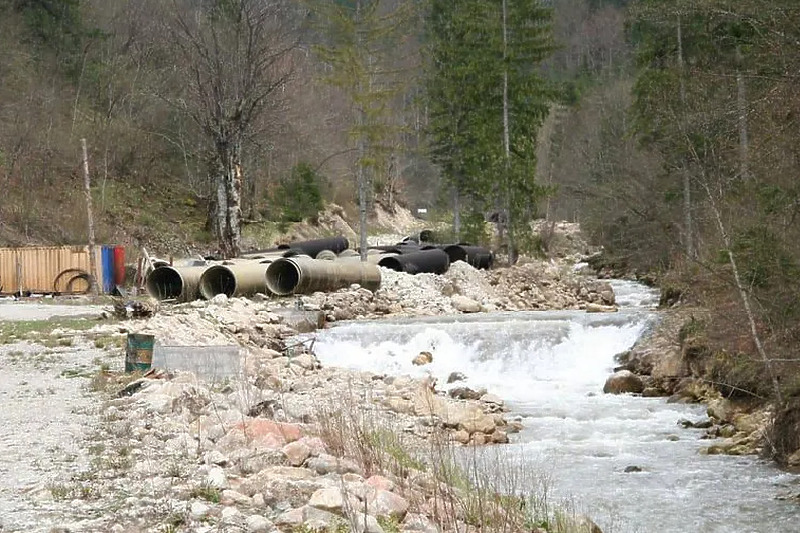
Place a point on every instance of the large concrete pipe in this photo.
(313, 247)
(174, 283)
(348, 253)
(477, 256)
(326, 255)
(302, 275)
(241, 279)
(431, 261)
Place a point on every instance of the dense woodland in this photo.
(668, 128)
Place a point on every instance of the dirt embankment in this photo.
(677, 360)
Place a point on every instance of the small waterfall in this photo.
(550, 368)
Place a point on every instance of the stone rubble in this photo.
(290, 444)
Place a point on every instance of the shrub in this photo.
(298, 195)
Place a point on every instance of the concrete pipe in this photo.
(301, 275)
(313, 247)
(477, 256)
(174, 283)
(326, 255)
(430, 261)
(242, 279)
(348, 253)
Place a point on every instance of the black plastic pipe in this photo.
(313, 247)
(477, 256)
(430, 261)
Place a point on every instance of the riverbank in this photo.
(676, 360)
(287, 444)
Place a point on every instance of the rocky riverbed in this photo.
(287, 445)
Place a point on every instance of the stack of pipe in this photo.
(306, 266)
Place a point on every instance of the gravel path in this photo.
(16, 311)
(46, 412)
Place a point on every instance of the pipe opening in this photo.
(217, 280)
(456, 253)
(391, 263)
(283, 277)
(164, 283)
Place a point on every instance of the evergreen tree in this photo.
(487, 100)
(359, 37)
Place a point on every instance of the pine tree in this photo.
(487, 100)
(358, 39)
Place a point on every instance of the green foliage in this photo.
(389, 524)
(738, 375)
(360, 39)
(298, 195)
(207, 492)
(763, 261)
(469, 61)
(385, 443)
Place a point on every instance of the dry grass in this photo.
(464, 488)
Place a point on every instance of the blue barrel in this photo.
(107, 260)
(139, 352)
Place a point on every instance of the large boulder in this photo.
(622, 382)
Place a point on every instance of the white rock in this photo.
(493, 399)
(219, 299)
(296, 452)
(465, 304)
(329, 499)
(217, 478)
(199, 510)
(215, 457)
(387, 504)
(231, 514)
(231, 496)
(367, 524)
(258, 524)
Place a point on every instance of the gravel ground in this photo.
(16, 311)
(47, 412)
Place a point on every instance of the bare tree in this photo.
(234, 59)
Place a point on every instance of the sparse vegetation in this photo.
(208, 492)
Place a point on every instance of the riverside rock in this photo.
(424, 358)
(296, 452)
(382, 503)
(329, 499)
(258, 524)
(465, 304)
(622, 382)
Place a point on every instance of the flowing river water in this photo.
(550, 367)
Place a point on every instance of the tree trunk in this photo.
(688, 229)
(456, 214)
(361, 177)
(741, 105)
(512, 248)
(93, 288)
(229, 198)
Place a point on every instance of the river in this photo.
(550, 367)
